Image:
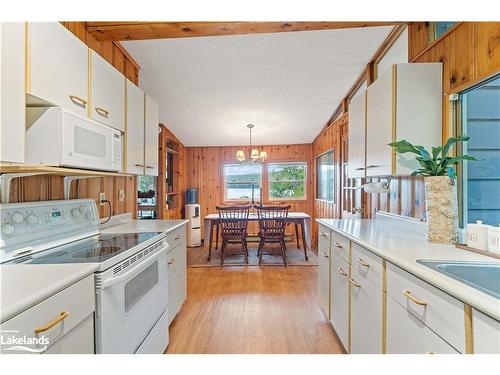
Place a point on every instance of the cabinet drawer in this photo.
(436, 309)
(176, 237)
(366, 315)
(324, 238)
(408, 335)
(367, 264)
(78, 300)
(340, 246)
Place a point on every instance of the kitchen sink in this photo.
(482, 276)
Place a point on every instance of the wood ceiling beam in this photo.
(117, 31)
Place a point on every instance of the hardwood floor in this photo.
(254, 310)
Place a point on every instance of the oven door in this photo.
(86, 143)
(130, 303)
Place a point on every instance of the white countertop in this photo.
(25, 285)
(402, 247)
(164, 226)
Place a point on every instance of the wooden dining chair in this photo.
(272, 226)
(233, 221)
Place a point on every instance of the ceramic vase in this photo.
(442, 209)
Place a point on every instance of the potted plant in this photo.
(439, 174)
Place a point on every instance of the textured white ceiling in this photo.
(287, 84)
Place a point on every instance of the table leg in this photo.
(297, 235)
(216, 236)
(211, 237)
(304, 240)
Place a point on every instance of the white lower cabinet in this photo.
(339, 298)
(408, 335)
(486, 333)
(324, 273)
(65, 321)
(80, 340)
(177, 279)
(366, 315)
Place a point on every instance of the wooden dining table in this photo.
(298, 219)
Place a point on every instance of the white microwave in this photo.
(57, 137)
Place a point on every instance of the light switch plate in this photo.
(121, 195)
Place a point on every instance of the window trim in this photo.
(316, 179)
(269, 181)
(224, 185)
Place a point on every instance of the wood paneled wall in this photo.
(204, 171)
(51, 187)
(113, 52)
(470, 53)
(330, 139)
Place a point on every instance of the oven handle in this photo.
(135, 270)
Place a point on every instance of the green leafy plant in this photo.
(437, 162)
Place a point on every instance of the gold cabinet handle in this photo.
(149, 167)
(411, 297)
(323, 234)
(179, 236)
(354, 283)
(341, 271)
(102, 111)
(324, 254)
(337, 245)
(362, 262)
(76, 99)
(171, 262)
(139, 165)
(62, 315)
(429, 353)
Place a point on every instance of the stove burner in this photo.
(97, 251)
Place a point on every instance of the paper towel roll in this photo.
(377, 187)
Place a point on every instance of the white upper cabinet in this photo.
(357, 126)
(151, 130)
(135, 130)
(57, 67)
(108, 93)
(12, 110)
(404, 103)
(379, 126)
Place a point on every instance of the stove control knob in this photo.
(89, 215)
(32, 219)
(17, 217)
(7, 229)
(75, 212)
(83, 209)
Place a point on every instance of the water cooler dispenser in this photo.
(193, 214)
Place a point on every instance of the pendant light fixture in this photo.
(255, 155)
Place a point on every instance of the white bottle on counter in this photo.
(494, 239)
(477, 235)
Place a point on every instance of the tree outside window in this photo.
(287, 180)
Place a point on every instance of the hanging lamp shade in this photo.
(254, 154)
(240, 155)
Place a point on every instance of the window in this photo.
(287, 180)
(146, 197)
(481, 179)
(242, 181)
(437, 29)
(324, 177)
